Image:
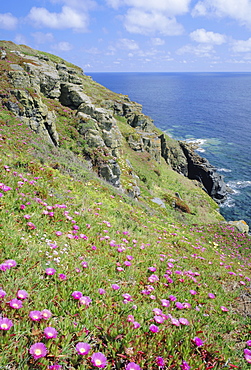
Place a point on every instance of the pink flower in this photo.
(179, 305)
(2, 293)
(35, 315)
(152, 269)
(248, 342)
(159, 319)
(172, 298)
(193, 292)
(136, 325)
(50, 271)
(115, 286)
(160, 361)
(85, 300)
(184, 321)
(77, 295)
(83, 348)
(99, 360)
(101, 291)
(154, 328)
(198, 341)
(224, 309)
(185, 366)
(132, 366)
(211, 295)
(130, 318)
(45, 314)
(5, 323)
(50, 332)
(38, 350)
(15, 303)
(84, 264)
(165, 303)
(22, 294)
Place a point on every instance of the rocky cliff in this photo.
(35, 84)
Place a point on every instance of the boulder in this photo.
(240, 226)
(201, 170)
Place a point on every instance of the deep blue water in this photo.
(214, 108)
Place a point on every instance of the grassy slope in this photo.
(57, 214)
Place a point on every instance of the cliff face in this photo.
(32, 82)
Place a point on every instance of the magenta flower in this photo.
(83, 348)
(130, 318)
(38, 350)
(179, 305)
(132, 366)
(152, 269)
(154, 328)
(136, 324)
(175, 321)
(115, 286)
(2, 293)
(193, 292)
(85, 300)
(99, 360)
(211, 295)
(184, 321)
(22, 294)
(55, 367)
(172, 298)
(45, 314)
(84, 264)
(10, 263)
(185, 366)
(160, 361)
(50, 332)
(159, 319)
(198, 341)
(127, 297)
(62, 276)
(15, 303)
(50, 271)
(35, 315)
(247, 355)
(77, 295)
(101, 291)
(165, 303)
(248, 342)
(224, 309)
(5, 324)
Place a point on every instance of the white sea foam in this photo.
(199, 144)
(229, 203)
(223, 170)
(239, 184)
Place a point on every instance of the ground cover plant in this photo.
(90, 278)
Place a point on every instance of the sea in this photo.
(212, 109)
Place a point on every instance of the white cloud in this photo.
(207, 37)
(42, 38)
(63, 46)
(8, 21)
(170, 7)
(242, 46)
(148, 23)
(156, 41)
(20, 39)
(199, 50)
(127, 44)
(239, 10)
(68, 18)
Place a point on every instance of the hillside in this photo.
(112, 253)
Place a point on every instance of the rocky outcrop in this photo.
(201, 170)
(36, 79)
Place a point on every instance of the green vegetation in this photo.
(91, 277)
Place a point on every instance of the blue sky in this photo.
(135, 35)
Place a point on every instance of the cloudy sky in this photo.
(135, 35)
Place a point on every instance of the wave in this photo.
(223, 170)
(198, 142)
(238, 184)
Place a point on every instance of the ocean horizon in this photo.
(211, 108)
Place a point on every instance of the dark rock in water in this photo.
(201, 170)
